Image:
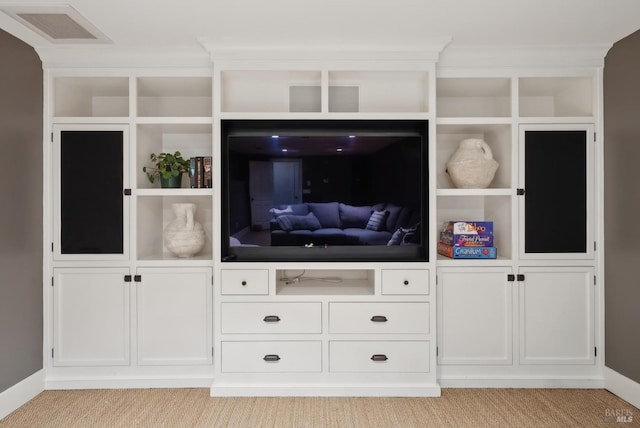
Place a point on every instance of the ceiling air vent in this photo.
(58, 24)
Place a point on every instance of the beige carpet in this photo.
(194, 408)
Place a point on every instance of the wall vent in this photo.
(58, 24)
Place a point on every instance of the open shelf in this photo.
(497, 136)
(91, 96)
(325, 282)
(473, 97)
(174, 96)
(480, 208)
(379, 91)
(155, 212)
(190, 140)
(556, 97)
(270, 91)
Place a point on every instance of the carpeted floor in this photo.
(475, 408)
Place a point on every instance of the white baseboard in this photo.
(20, 393)
(223, 389)
(622, 386)
(126, 383)
(571, 383)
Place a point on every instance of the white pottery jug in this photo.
(184, 236)
(472, 165)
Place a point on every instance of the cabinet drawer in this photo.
(405, 281)
(245, 281)
(260, 317)
(271, 357)
(379, 318)
(379, 356)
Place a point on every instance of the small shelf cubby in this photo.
(91, 96)
(155, 212)
(473, 97)
(190, 140)
(174, 96)
(495, 208)
(497, 136)
(379, 91)
(325, 282)
(556, 96)
(270, 91)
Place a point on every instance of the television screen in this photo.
(339, 190)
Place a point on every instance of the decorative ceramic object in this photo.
(184, 236)
(472, 165)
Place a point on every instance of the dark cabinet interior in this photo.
(91, 192)
(555, 191)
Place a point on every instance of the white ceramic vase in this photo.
(184, 236)
(472, 165)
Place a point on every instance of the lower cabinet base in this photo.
(232, 389)
(128, 377)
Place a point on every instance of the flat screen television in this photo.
(324, 190)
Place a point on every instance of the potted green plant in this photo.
(169, 167)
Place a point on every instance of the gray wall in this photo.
(622, 206)
(20, 211)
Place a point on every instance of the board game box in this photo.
(454, 252)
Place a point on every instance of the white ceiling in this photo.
(336, 24)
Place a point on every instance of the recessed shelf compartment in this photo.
(381, 91)
(473, 97)
(325, 282)
(556, 96)
(91, 96)
(497, 136)
(189, 139)
(480, 208)
(155, 213)
(174, 96)
(270, 91)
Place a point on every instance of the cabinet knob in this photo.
(406, 282)
(379, 357)
(271, 318)
(379, 318)
(244, 283)
(271, 357)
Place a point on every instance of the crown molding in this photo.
(529, 56)
(428, 51)
(112, 57)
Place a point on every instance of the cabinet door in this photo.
(91, 317)
(557, 315)
(475, 316)
(556, 174)
(173, 314)
(90, 175)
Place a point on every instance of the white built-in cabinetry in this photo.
(532, 313)
(140, 316)
(128, 310)
(324, 328)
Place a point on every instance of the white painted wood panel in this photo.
(475, 316)
(173, 314)
(379, 317)
(271, 317)
(90, 317)
(557, 315)
(379, 356)
(271, 356)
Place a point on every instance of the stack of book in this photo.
(467, 240)
(200, 172)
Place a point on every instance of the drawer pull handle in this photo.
(271, 357)
(379, 318)
(244, 283)
(379, 357)
(271, 318)
(406, 282)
